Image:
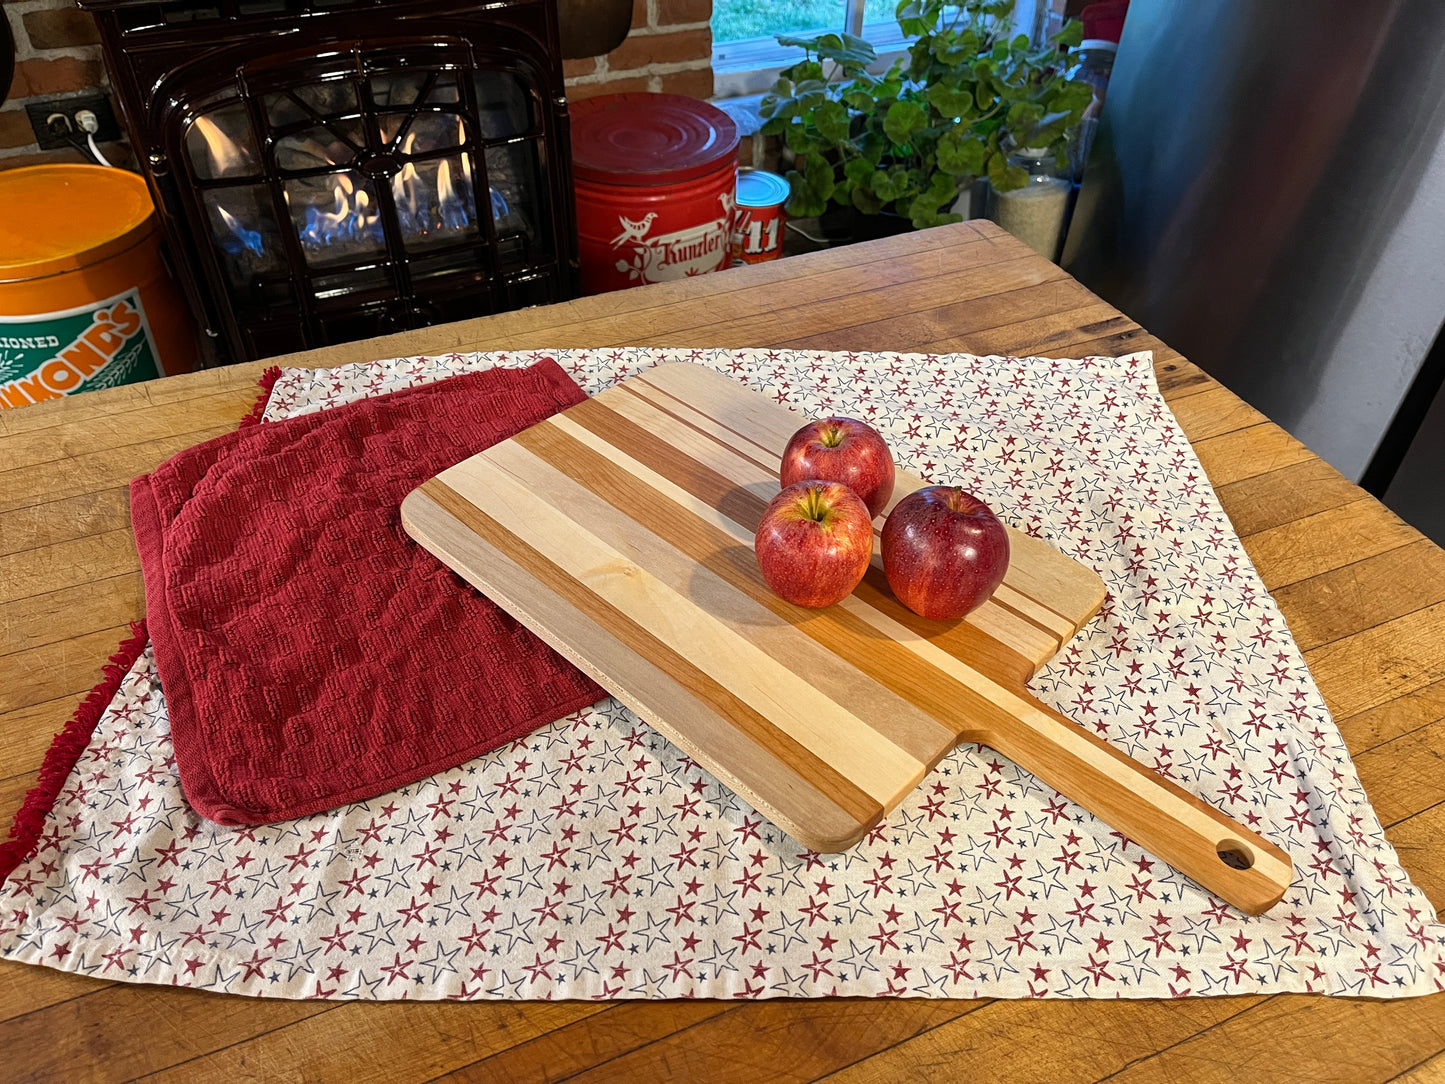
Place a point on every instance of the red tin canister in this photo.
(655, 176)
(759, 219)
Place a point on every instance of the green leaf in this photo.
(819, 174)
(924, 213)
(866, 201)
(802, 201)
(1022, 115)
(903, 119)
(997, 168)
(845, 48)
(944, 187)
(963, 156)
(917, 17)
(961, 153)
(1071, 35)
(1074, 95)
(807, 71)
(951, 102)
(1047, 129)
(860, 49)
(858, 170)
(831, 120)
(950, 49)
(800, 140)
(792, 41)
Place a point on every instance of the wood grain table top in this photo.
(1363, 592)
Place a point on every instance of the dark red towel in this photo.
(310, 652)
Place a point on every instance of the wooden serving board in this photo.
(621, 531)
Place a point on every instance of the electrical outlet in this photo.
(55, 125)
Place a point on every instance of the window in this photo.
(746, 56)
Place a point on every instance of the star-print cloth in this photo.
(592, 859)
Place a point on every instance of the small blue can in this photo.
(759, 220)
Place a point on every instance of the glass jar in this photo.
(1037, 212)
(1093, 64)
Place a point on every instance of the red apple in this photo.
(814, 542)
(841, 450)
(944, 552)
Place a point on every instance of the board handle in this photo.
(1223, 855)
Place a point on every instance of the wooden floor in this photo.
(1363, 592)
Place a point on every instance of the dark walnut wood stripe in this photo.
(805, 763)
(959, 638)
(891, 664)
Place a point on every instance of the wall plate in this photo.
(99, 104)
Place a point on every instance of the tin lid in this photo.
(758, 188)
(649, 139)
(57, 218)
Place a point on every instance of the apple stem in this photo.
(831, 437)
(813, 506)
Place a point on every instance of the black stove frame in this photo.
(269, 62)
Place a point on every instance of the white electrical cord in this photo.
(89, 124)
(90, 142)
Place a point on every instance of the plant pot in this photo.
(883, 224)
(848, 225)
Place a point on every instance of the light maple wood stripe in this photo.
(761, 456)
(706, 566)
(794, 705)
(1047, 574)
(773, 787)
(710, 497)
(1059, 628)
(744, 505)
(707, 535)
(760, 729)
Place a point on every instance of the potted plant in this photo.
(908, 141)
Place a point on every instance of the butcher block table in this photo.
(1363, 592)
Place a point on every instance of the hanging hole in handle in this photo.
(1234, 854)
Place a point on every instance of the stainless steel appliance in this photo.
(1267, 194)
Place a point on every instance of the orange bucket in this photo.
(85, 301)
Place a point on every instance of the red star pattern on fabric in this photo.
(593, 859)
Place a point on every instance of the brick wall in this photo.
(57, 55)
(669, 49)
